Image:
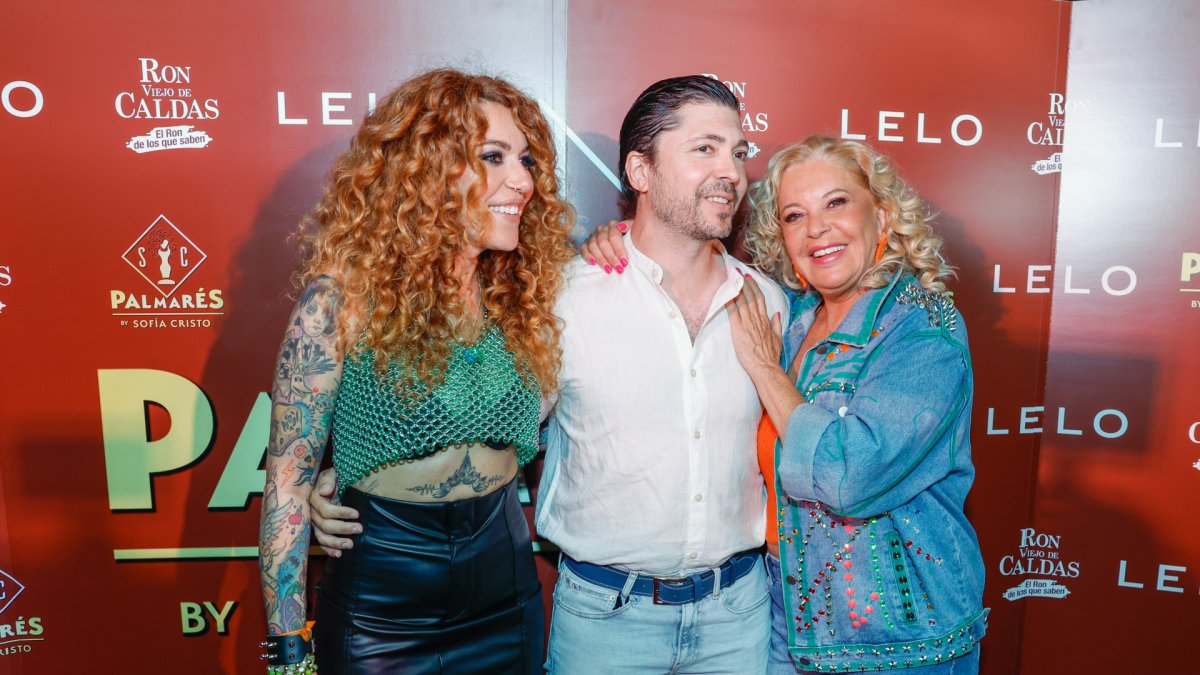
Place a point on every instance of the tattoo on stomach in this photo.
(466, 474)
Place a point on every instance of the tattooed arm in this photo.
(305, 387)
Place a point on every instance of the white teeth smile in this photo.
(719, 200)
(826, 251)
(507, 210)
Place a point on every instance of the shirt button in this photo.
(699, 498)
(693, 372)
(821, 349)
(696, 435)
(693, 555)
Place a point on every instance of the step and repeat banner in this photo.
(1113, 532)
(157, 158)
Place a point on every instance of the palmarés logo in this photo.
(165, 93)
(751, 121)
(177, 256)
(15, 636)
(165, 258)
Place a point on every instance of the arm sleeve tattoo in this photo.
(305, 386)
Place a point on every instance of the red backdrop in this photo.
(132, 413)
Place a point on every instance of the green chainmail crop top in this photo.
(485, 399)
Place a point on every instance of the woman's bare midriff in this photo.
(450, 474)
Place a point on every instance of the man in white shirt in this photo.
(651, 487)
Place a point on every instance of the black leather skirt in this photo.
(446, 587)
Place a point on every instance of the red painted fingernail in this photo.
(607, 269)
(591, 261)
(624, 262)
(622, 227)
(620, 269)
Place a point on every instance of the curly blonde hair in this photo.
(393, 220)
(911, 244)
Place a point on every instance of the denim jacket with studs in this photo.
(881, 568)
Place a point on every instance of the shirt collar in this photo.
(733, 267)
(641, 260)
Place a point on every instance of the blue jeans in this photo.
(726, 632)
(779, 663)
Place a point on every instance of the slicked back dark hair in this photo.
(654, 112)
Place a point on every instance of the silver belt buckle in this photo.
(658, 600)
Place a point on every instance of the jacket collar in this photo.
(855, 329)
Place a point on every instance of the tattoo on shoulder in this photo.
(466, 474)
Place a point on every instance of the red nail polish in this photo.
(620, 269)
(591, 261)
(622, 227)
(607, 269)
(624, 262)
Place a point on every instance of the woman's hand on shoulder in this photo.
(756, 335)
(605, 247)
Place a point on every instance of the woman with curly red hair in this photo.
(435, 258)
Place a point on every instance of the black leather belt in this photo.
(681, 591)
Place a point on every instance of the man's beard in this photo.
(683, 212)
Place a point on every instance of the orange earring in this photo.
(800, 277)
(879, 250)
